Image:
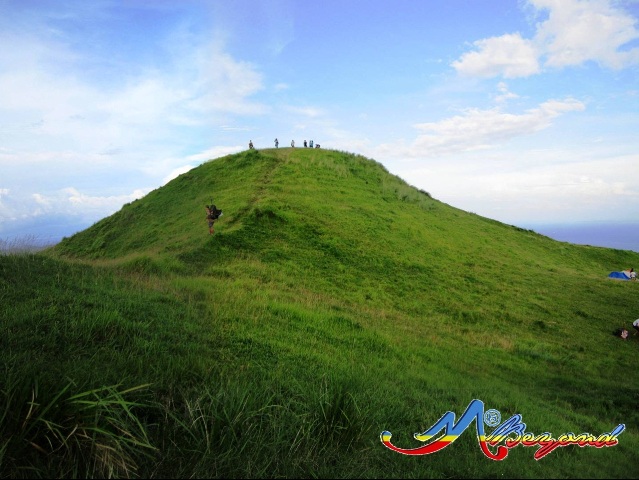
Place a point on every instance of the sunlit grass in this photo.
(334, 302)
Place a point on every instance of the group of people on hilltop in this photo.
(308, 144)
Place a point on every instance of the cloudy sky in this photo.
(522, 111)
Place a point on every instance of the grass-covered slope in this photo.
(336, 219)
(333, 302)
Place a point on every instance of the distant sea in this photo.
(622, 236)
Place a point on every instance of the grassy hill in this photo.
(334, 302)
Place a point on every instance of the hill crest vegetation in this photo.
(334, 301)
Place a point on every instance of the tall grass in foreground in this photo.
(229, 431)
(95, 433)
(249, 429)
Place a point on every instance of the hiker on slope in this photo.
(212, 214)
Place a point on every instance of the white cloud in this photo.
(213, 153)
(71, 129)
(72, 197)
(563, 185)
(176, 173)
(575, 32)
(477, 129)
(169, 168)
(199, 84)
(192, 72)
(509, 55)
(580, 31)
(223, 84)
(309, 112)
(278, 20)
(67, 202)
(504, 93)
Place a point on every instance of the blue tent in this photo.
(619, 275)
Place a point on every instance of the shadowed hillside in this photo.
(335, 301)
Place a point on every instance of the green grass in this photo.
(335, 301)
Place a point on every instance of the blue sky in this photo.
(526, 112)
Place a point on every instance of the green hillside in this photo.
(334, 302)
